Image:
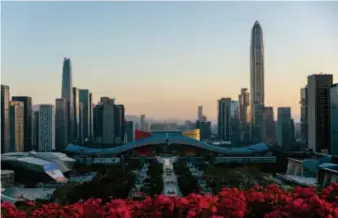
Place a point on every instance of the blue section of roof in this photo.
(49, 167)
(158, 139)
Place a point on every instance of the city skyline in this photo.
(157, 59)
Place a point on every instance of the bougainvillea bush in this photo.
(260, 202)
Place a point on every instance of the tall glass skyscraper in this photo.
(257, 81)
(67, 93)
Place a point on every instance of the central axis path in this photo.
(170, 186)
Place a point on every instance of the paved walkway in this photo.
(170, 186)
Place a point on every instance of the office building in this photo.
(86, 110)
(5, 119)
(61, 124)
(143, 122)
(35, 130)
(334, 119)
(234, 122)
(46, 128)
(268, 126)
(104, 121)
(67, 93)
(256, 81)
(199, 112)
(130, 131)
(91, 116)
(17, 122)
(119, 114)
(76, 114)
(318, 99)
(28, 119)
(223, 119)
(81, 118)
(205, 129)
(285, 128)
(244, 115)
(303, 115)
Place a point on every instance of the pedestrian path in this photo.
(170, 186)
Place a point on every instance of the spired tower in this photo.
(67, 93)
(257, 82)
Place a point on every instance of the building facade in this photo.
(46, 128)
(130, 131)
(35, 130)
(76, 114)
(224, 118)
(318, 99)
(205, 129)
(5, 119)
(17, 123)
(284, 128)
(256, 81)
(244, 115)
(105, 121)
(61, 124)
(199, 112)
(303, 115)
(28, 119)
(334, 119)
(86, 105)
(268, 126)
(143, 122)
(119, 124)
(67, 93)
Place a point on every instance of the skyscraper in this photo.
(119, 123)
(200, 112)
(35, 130)
(143, 122)
(86, 105)
(61, 124)
(334, 119)
(17, 123)
(130, 131)
(91, 116)
(76, 114)
(318, 99)
(46, 128)
(303, 115)
(105, 121)
(67, 93)
(268, 126)
(257, 81)
(224, 117)
(5, 122)
(285, 128)
(244, 115)
(28, 121)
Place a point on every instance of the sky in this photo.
(163, 59)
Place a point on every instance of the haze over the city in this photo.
(165, 58)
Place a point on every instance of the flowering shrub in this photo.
(268, 202)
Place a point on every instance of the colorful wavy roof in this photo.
(171, 139)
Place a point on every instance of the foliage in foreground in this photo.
(268, 202)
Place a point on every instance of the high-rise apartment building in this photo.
(199, 112)
(5, 121)
(61, 124)
(85, 100)
(224, 118)
(318, 100)
(285, 128)
(76, 114)
(28, 119)
(334, 119)
(268, 126)
(17, 123)
(303, 115)
(36, 130)
(67, 93)
(244, 115)
(46, 128)
(256, 81)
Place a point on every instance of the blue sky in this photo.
(165, 58)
